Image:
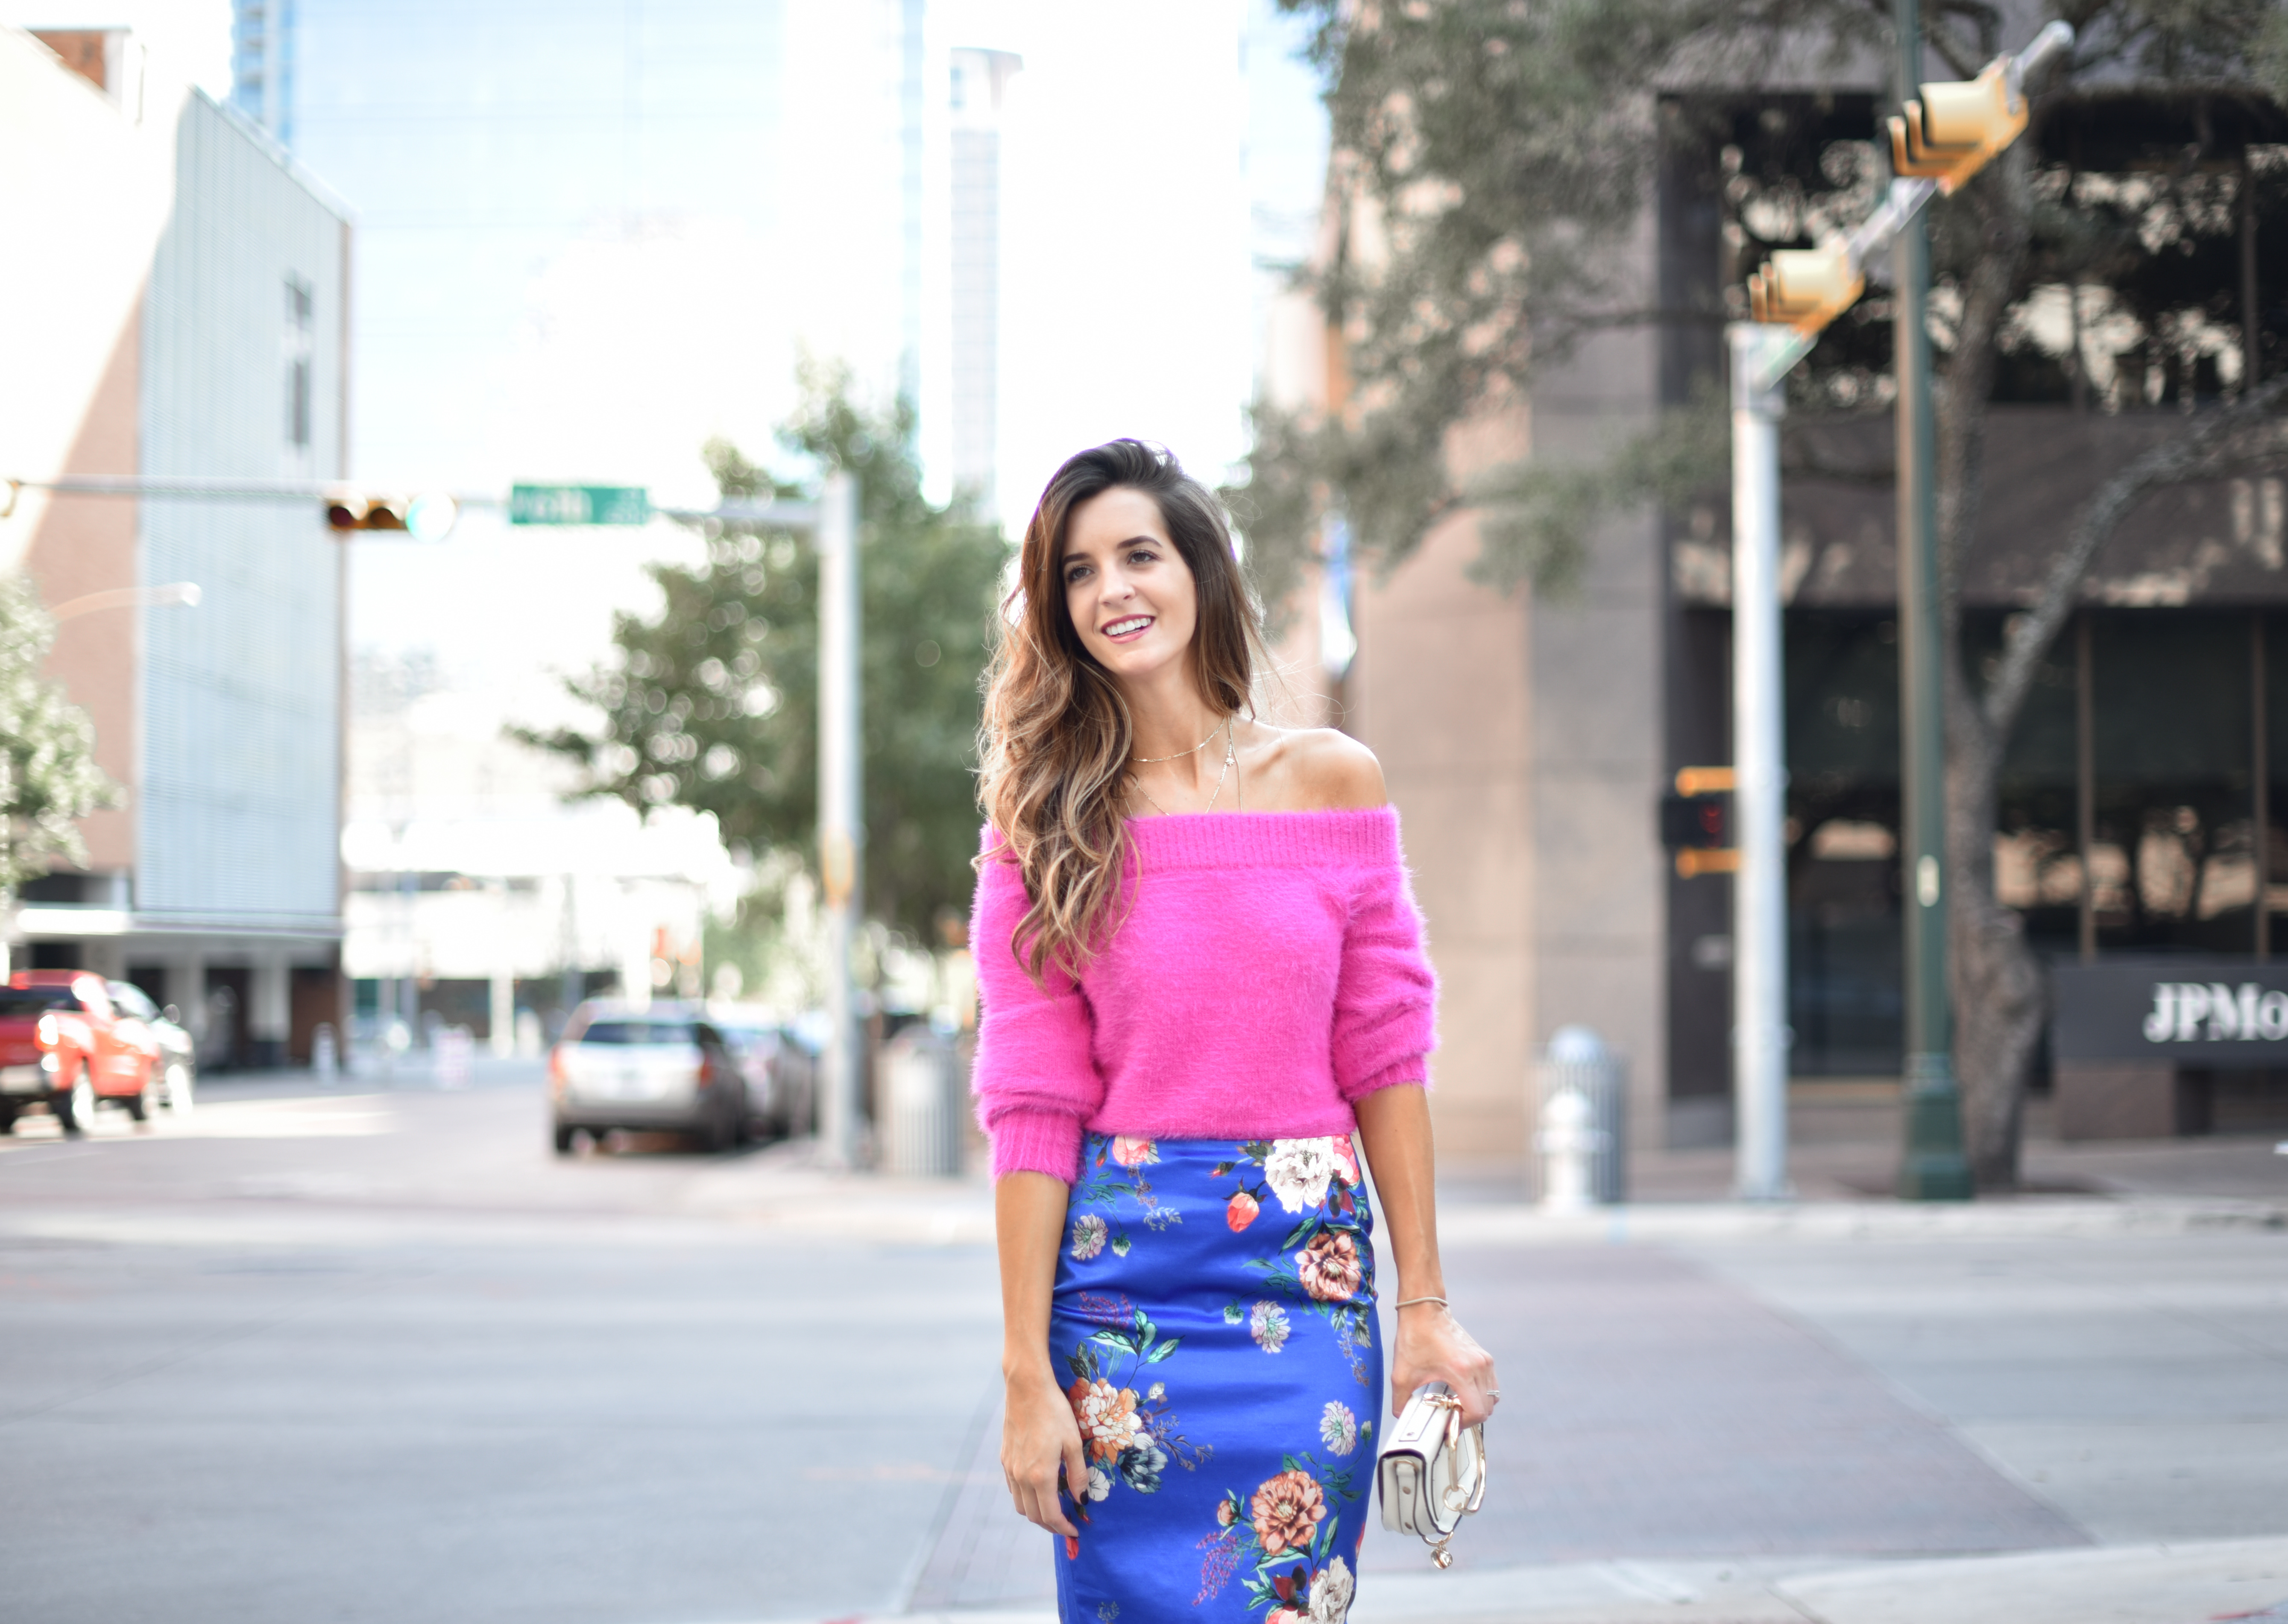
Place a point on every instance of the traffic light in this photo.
(1693, 824)
(426, 518)
(1957, 127)
(1805, 288)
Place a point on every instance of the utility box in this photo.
(923, 1100)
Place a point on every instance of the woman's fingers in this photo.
(1076, 1471)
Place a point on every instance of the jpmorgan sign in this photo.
(2214, 1011)
(2211, 1013)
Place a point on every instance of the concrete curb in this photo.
(1522, 1225)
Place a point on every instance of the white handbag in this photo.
(1433, 1469)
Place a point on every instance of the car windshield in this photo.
(131, 1001)
(20, 1001)
(638, 1032)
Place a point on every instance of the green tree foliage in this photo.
(712, 702)
(48, 777)
(1499, 157)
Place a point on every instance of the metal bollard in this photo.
(1568, 1143)
(1578, 1066)
(324, 1058)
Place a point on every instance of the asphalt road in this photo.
(379, 1355)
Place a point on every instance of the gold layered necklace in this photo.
(1230, 756)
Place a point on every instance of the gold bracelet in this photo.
(1410, 1302)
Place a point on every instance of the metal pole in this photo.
(1760, 1030)
(1934, 1167)
(840, 824)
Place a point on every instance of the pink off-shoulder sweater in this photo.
(1268, 972)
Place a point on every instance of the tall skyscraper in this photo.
(262, 65)
(978, 81)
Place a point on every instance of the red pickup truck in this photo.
(65, 1044)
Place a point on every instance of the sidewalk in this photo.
(2184, 1584)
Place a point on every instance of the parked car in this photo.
(779, 1069)
(662, 1067)
(64, 1045)
(178, 1051)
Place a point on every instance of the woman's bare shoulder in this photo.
(1333, 772)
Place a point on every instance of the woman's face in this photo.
(1129, 591)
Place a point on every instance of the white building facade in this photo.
(196, 308)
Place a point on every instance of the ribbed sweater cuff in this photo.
(1413, 1068)
(1036, 1142)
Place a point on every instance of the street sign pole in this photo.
(1933, 1168)
(841, 828)
(1760, 976)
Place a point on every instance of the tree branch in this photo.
(2194, 454)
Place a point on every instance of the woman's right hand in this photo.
(1039, 1436)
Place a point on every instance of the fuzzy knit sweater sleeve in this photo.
(1386, 999)
(1037, 1080)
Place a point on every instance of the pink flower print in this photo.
(1130, 1151)
(1328, 1266)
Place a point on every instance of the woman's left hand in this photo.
(1434, 1347)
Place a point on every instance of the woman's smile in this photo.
(1128, 628)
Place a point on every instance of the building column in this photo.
(186, 990)
(270, 1009)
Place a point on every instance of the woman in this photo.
(1193, 1021)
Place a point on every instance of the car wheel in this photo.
(144, 1103)
(564, 1139)
(181, 1086)
(75, 1107)
(7, 1119)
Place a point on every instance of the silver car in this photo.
(661, 1067)
(178, 1058)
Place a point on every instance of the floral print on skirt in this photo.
(1214, 1323)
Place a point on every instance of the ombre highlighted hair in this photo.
(1057, 736)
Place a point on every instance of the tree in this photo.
(711, 703)
(48, 777)
(1504, 150)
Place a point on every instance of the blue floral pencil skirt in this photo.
(1214, 1325)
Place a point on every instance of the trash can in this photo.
(1577, 1062)
(921, 1133)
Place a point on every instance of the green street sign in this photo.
(579, 505)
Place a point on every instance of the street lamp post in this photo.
(841, 821)
(1933, 1168)
(1760, 1030)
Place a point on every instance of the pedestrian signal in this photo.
(1957, 127)
(1691, 823)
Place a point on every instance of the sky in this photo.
(592, 233)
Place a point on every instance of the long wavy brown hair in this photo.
(1057, 735)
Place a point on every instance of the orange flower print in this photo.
(1287, 1511)
(1328, 1266)
(1108, 1417)
(1241, 1211)
(1130, 1151)
(1072, 1548)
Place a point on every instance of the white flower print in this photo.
(1339, 1428)
(1087, 1236)
(1331, 1589)
(1299, 1170)
(1266, 1322)
(1157, 1391)
(1100, 1483)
